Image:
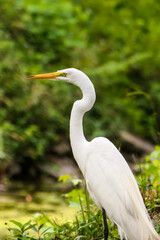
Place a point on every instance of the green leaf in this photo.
(76, 181)
(41, 226)
(64, 178)
(20, 225)
(14, 229)
(27, 223)
(31, 226)
(34, 229)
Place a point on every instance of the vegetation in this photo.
(88, 223)
(115, 42)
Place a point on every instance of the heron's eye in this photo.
(63, 74)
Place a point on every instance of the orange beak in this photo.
(52, 75)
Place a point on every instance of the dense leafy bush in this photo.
(33, 39)
(115, 42)
(151, 167)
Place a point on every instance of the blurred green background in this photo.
(115, 42)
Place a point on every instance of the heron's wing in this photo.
(111, 183)
(113, 187)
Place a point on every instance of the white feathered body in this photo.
(113, 187)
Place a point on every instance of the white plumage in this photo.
(109, 179)
(114, 188)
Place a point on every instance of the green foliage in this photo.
(126, 42)
(115, 42)
(88, 223)
(149, 182)
(32, 40)
(20, 231)
(152, 166)
(150, 169)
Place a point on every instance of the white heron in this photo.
(109, 179)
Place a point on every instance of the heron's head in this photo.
(72, 75)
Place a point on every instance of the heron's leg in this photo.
(105, 224)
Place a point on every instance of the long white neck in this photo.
(77, 138)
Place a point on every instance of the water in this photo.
(21, 202)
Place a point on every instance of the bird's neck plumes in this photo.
(77, 138)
